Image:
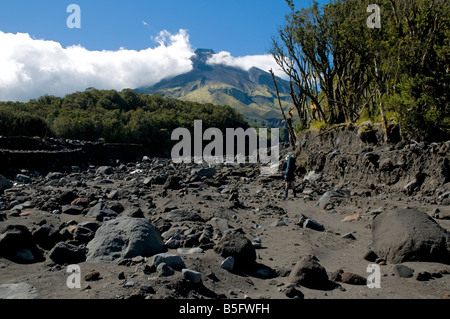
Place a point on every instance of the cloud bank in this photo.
(30, 68)
(264, 62)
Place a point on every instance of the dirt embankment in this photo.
(358, 156)
(45, 155)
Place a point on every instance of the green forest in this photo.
(342, 70)
(112, 116)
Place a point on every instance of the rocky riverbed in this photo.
(150, 228)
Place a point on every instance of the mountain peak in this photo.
(201, 57)
(204, 52)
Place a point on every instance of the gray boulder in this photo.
(309, 273)
(125, 237)
(410, 235)
(192, 276)
(17, 244)
(239, 247)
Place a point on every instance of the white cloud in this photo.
(264, 62)
(31, 68)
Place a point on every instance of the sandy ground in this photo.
(281, 248)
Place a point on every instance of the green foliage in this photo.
(14, 123)
(401, 68)
(114, 117)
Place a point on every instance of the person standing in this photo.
(289, 175)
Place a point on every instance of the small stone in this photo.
(23, 178)
(164, 270)
(114, 195)
(83, 202)
(336, 276)
(213, 277)
(72, 210)
(25, 255)
(278, 223)
(423, 276)
(348, 236)
(172, 260)
(264, 273)
(104, 170)
(88, 287)
(67, 197)
(353, 279)
(55, 175)
(92, 276)
(371, 256)
(350, 218)
(446, 296)
(293, 293)
(121, 276)
(192, 276)
(403, 271)
(311, 223)
(228, 263)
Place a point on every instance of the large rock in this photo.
(125, 237)
(309, 273)
(409, 235)
(239, 247)
(5, 183)
(65, 253)
(18, 245)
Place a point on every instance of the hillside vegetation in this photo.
(111, 116)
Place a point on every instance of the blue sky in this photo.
(242, 27)
(146, 41)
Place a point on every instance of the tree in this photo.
(342, 68)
